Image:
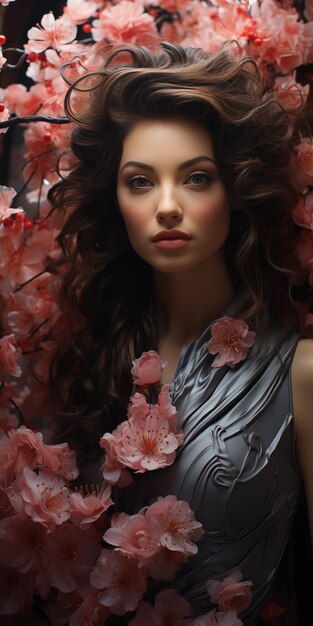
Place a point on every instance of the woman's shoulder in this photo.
(302, 395)
(302, 384)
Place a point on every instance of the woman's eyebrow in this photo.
(182, 166)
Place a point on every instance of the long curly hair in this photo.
(106, 288)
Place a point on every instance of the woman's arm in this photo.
(302, 394)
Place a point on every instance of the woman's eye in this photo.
(199, 178)
(139, 182)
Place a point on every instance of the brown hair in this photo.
(106, 287)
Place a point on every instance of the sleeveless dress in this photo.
(237, 467)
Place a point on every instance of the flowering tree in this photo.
(43, 518)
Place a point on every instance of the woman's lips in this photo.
(171, 243)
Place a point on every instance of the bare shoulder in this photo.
(302, 395)
(302, 386)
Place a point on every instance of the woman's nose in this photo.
(168, 204)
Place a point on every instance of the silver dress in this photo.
(237, 467)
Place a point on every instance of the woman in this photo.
(180, 215)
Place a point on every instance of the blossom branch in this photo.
(34, 118)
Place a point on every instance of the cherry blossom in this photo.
(85, 509)
(125, 22)
(138, 406)
(231, 594)
(21, 542)
(7, 194)
(147, 368)
(290, 93)
(133, 537)
(13, 94)
(120, 580)
(27, 447)
(231, 340)
(303, 165)
(175, 524)
(10, 356)
(287, 42)
(52, 33)
(113, 470)
(79, 11)
(144, 443)
(69, 556)
(42, 496)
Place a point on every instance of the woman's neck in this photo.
(186, 302)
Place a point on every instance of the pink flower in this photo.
(79, 11)
(121, 581)
(132, 537)
(126, 22)
(27, 447)
(6, 197)
(231, 594)
(303, 212)
(174, 523)
(51, 34)
(147, 369)
(42, 496)
(69, 555)
(60, 460)
(166, 409)
(138, 406)
(214, 618)
(303, 166)
(86, 509)
(16, 590)
(286, 41)
(10, 356)
(113, 469)
(169, 608)
(21, 542)
(145, 443)
(231, 340)
(13, 94)
(290, 93)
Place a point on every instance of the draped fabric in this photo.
(237, 467)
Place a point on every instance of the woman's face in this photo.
(168, 179)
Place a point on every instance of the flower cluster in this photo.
(65, 547)
(53, 538)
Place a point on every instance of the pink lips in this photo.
(170, 239)
(169, 244)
